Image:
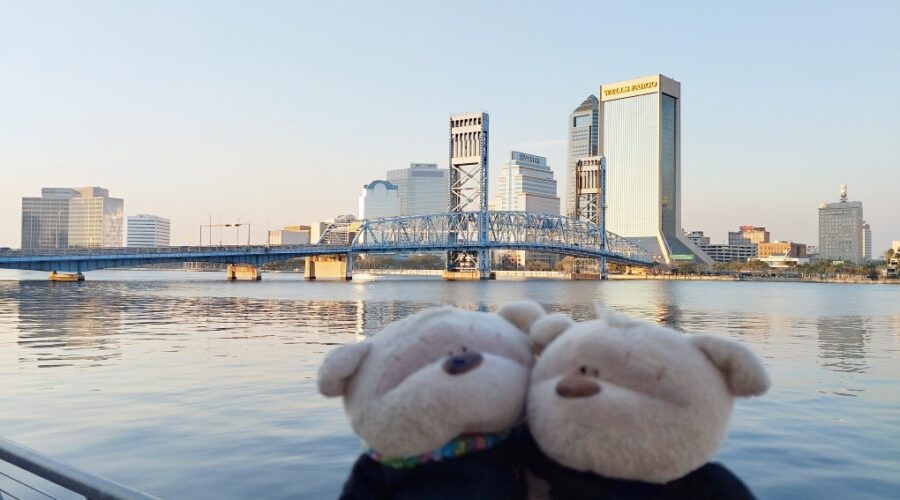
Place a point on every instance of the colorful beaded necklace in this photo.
(463, 445)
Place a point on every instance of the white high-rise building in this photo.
(841, 230)
(422, 188)
(145, 230)
(379, 199)
(867, 241)
(640, 136)
(526, 184)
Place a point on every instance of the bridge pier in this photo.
(468, 275)
(242, 272)
(338, 267)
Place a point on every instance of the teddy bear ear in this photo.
(522, 313)
(544, 330)
(339, 366)
(742, 369)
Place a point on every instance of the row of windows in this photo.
(465, 122)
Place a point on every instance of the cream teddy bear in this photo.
(626, 409)
(434, 396)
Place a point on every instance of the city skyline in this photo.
(266, 134)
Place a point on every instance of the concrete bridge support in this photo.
(468, 275)
(242, 272)
(339, 267)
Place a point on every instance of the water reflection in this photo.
(59, 325)
(214, 382)
(842, 343)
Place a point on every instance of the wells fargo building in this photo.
(640, 135)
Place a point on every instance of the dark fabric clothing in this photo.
(711, 481)
(490, 474)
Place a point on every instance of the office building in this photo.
(782, 248)
(867, 241)
(145, 230)
(290, 235)
(841, 230)
(583, 122)
(422, 189)
(640, 136)
(698, 238)
(379, 199)
(72, 218)
(526, 184)
(748, 235)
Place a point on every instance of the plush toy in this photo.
(434, 396)
(626, 409)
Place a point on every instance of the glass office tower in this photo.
(582, 143)
(72, 218)
(640, 136)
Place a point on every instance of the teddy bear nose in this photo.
(457, 365)
(574, 386)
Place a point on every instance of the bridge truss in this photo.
(461, 232)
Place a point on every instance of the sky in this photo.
(278, 113)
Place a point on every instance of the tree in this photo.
(537, 265)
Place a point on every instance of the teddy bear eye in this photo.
(464, 349)
(583, 370)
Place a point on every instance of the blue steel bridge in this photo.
(464, 232)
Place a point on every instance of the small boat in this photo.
(55, 276)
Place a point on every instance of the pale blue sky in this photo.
(283, 110)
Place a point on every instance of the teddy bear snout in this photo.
(462, 363)
(577, 386)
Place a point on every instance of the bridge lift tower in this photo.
(590, 205)
(468, 187)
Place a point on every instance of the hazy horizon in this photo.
(279, 112)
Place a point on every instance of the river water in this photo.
(187, 386)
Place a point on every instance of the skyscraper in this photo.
(422, 188)
(70, 218)
(145, 230)
(583, 122)
(841, 230)
(379, 199)
(640, 136)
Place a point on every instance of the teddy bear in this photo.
(434, 396)
(619, 408)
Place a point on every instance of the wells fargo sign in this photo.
(628, 89)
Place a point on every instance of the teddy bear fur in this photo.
(635, 402)
(403, 400)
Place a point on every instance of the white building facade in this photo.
(145, 230)
(526, 184)
(640, 136)
(841, 230)
(379, 199)
(422, 189)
